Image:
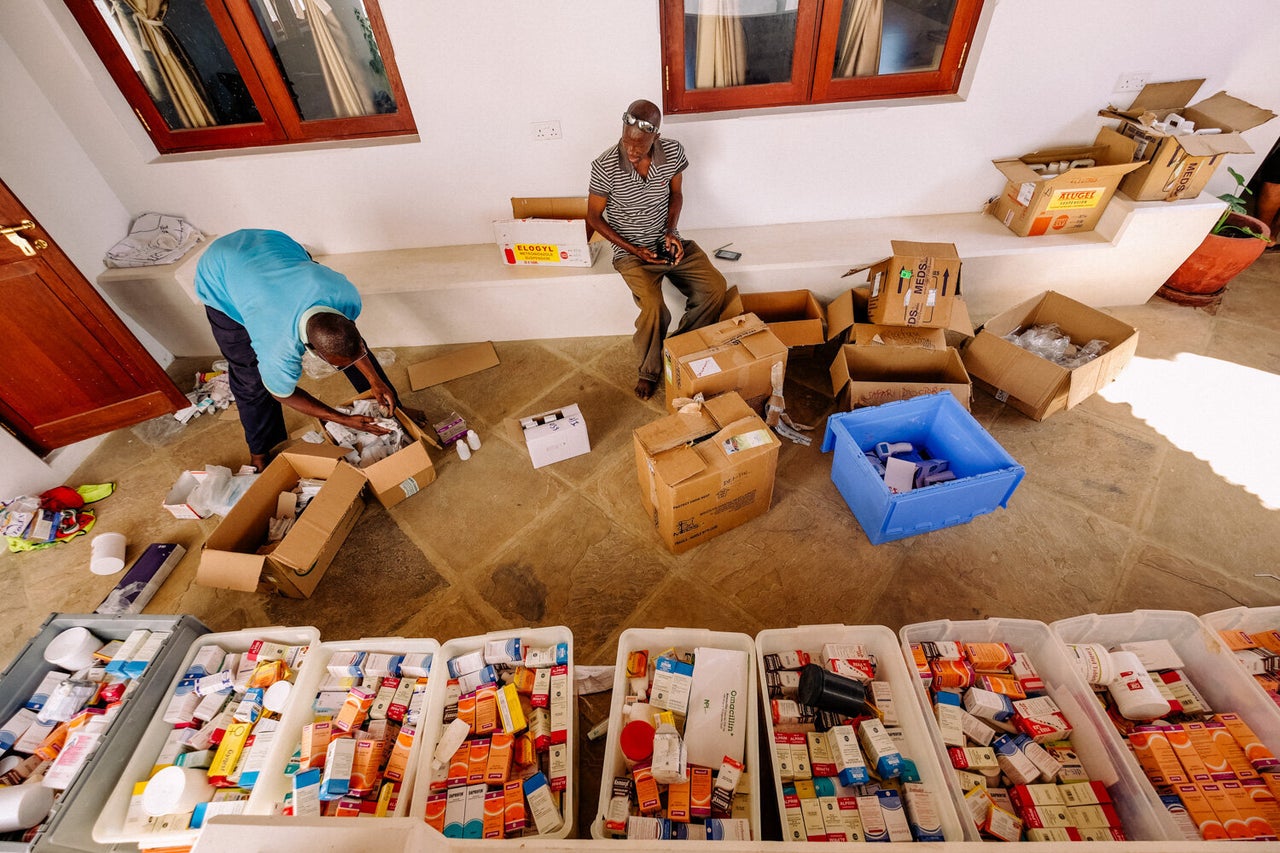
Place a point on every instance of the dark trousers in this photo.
(261, 414)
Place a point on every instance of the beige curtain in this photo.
(169, 72)
(858, 54)
(721, 58)
(337, 60)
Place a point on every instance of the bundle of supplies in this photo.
(683, 743)
(55, 732)
(1215, 776)
(366, 447)
(1259, 654)
(1010, 745)
(289, 508)
(502, 765)
(224, 712)
(838, 749)
(352, 757)
(212, 393)
(905, 467)
(1051, 343)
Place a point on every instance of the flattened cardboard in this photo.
(871, 376)
(793, 315)
(1036, 386)
(733, 355)
(704, 473)
(472, 358)
(916, 286)
(294, 568)
(405, 472)
(1032, 205)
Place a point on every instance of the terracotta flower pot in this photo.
(1218, 259)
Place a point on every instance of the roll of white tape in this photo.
(108, 553)
(24, 806)
(72, 649)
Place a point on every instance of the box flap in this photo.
(1227, 112)
(753, 439)
(960, 322)
(840, 315)
(1211, 145)
(674, 430)
(763, 345)
(677, 465)
(561, 207)
(732, 304)
(839, 371)
(454, 365)
(229, 570)
(727, 408)
(732, 329)
(872, 335)
(1158, 96)
(912, 249)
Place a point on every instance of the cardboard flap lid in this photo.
(563, 207)
(840, 315)
(732, 329)
(322, 517)
(1157, 96)
(317, 461)
(751, 424)
(732, 304)
(1213, 144)
(1227, 112)
(674, 430)
(229, 570)
(870, 335)
(910, 248)
(678, 465)
(454, 365)
(727, 408)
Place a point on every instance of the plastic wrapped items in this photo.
(1050, 342)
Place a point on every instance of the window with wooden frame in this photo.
(223, 74)
(746, 54)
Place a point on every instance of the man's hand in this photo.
(384, 395)
(646, 254)
(364, 423)
(675, 246)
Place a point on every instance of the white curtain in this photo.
(858, 53)
(170, 72)
(333, 47)
(721, 58)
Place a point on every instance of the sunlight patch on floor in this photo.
(1220, 412)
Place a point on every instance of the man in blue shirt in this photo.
(634, 202)
(267, 301)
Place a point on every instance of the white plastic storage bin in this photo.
(111, 826)
(1105, 757)
(656, 640)
(68, 826)
(274, 782)
(1209, 664)
(1247, 619)
(530, 638)
(890, 668)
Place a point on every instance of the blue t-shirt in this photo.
(266, 282)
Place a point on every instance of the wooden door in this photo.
(69, 367)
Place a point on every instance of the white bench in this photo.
(455, 294)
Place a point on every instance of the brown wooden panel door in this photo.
(70, 369)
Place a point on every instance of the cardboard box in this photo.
(545, 242)
(705, 472)
(732, 355)
(1032, 204)
(986, 475)
(551, 436)
(872, 375)
(915, 286)
(848, 320)
(793, 315)
(296, 565)
(402, 474)
(1174, 166)
(1036, 386)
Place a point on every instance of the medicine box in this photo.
(1093, 738)
(738, 354)
(1036, 386)
(655, 641)
(551, 436)
(916, 743)
(545, 242)
(68, 828)
(986, 475)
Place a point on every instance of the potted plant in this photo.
(1236, 241)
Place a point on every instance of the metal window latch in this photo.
(28, 247)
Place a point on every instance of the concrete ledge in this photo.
(454, 294)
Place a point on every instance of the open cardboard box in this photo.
(918, 285)
(1032, 204)
(733, 355)
(1174, 166)
(793, 315)
(1036, 386)
(704, 472)
(296, 565)
(848, 317)
(873, 375)
(547, 232)
(402, 474)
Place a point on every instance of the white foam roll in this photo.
(108, 553)
(276, 697)
(72, 649)
(24, 806)
(176, 790)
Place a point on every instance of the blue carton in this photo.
(986, 474)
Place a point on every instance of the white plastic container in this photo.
(1247, 619)
(1102, 752)
(684, 639)
(273, 783)
(891, 668)
(433, 725)
(110, 826)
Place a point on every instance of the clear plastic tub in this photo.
(1102, 752)
(1247, 619)
(654, 640)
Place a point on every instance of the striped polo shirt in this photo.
(637, 207)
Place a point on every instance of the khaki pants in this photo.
(695, 276)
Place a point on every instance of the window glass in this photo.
(738, 42)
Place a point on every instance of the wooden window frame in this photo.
(817, 28)
(280, 122)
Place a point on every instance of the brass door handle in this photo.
(24, 225)
(28, 247)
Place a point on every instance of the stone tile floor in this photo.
(1129, 501)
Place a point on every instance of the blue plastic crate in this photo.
(986, 475)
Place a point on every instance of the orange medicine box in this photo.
(513, 818)
(477, 760)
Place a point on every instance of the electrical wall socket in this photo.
(545, 130)
(1132, 81)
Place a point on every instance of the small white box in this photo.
(553, 436)
(544, 242)
(177, 499)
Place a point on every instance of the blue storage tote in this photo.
(986, 474)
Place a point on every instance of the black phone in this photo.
(728, 254)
